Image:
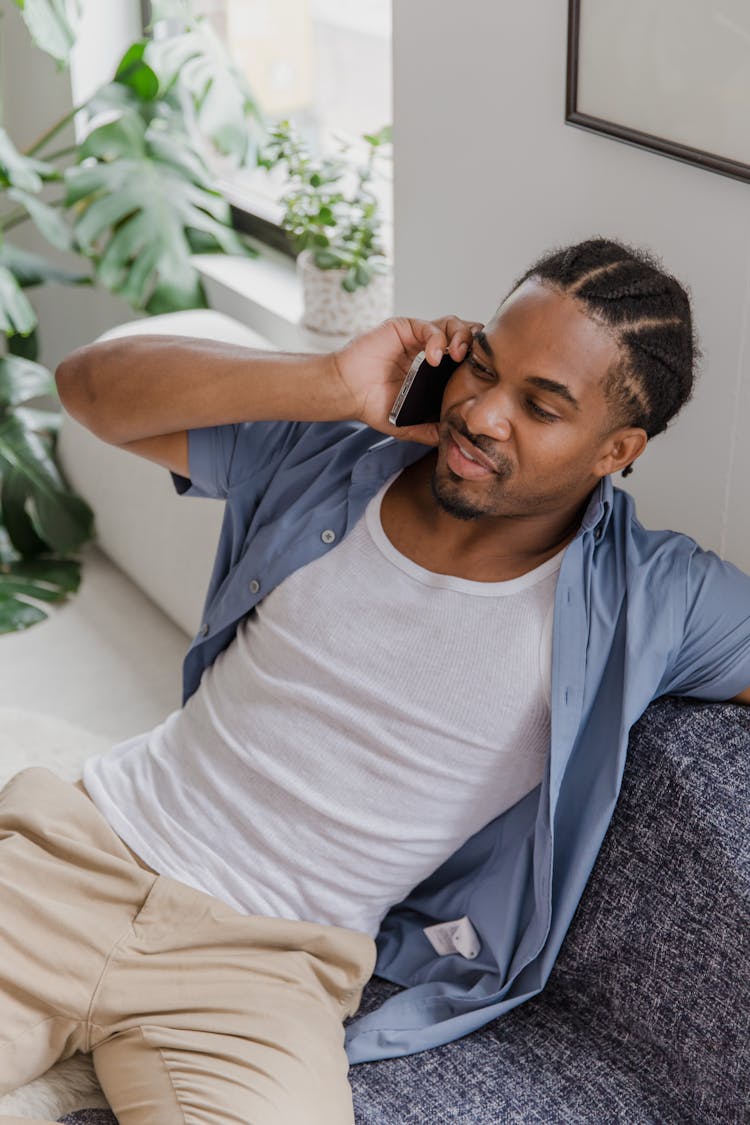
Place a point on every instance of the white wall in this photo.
(488, 176)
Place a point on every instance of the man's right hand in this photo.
(373, 366)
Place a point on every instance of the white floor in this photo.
(108, 659)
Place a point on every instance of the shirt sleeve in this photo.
(713, 660)
(221, 456)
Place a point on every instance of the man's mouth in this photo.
(465, 460)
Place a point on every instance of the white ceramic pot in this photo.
(330, 308)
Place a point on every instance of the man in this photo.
(406, 711)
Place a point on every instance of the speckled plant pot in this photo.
(330, 308)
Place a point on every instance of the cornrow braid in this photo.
(649, 311)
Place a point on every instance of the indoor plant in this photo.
(333, 219)
(134, 199)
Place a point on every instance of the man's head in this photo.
(591, 354)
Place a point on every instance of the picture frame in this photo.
(672, 77)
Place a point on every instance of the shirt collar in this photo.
(599, 509)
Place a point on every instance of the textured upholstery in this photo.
(646, 1015)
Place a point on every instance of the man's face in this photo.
(528, 403)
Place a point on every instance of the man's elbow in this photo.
(73, 380)
(74, 377)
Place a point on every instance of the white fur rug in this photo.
(28, 739)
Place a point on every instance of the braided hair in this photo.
(627, 291)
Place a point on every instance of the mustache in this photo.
(500, 463)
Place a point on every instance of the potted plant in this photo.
(333, 219)
(134, 199)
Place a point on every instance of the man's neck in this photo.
(488, 549)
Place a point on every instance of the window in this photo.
(326, 65)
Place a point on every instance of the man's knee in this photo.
(169, 1075)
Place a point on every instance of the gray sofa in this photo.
(646, 1016)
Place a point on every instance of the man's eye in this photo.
(543, 414)
(475, 366)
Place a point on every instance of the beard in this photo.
(450, 491)
(451, 501)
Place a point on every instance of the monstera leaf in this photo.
(134, 207)
(24, 172)
(16, 314)
(25, 346)
(20, 269)
(33, 269)
(48, 219)
(51, 23)
(135, 74)
(41, 520)
(35, 509)
(41, 579)
(61, 519)
(197, 66)
(21, 380)
(22, 178)
(34, 497)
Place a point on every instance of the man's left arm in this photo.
(743, 697)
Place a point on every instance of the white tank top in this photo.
(367, 718)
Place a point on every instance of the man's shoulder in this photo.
(642, 542)
(650, 554)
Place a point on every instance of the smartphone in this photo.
(421, 394)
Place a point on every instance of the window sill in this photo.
(265, 294)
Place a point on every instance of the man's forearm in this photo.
(142, 386)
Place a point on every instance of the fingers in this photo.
(427, 433)
(448, 334)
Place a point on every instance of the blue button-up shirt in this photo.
(638, 614)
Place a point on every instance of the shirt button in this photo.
(204, 630)
(254, 586)
(328, 535)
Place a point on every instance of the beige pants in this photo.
(194, 1013)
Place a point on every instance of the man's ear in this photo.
(622, 448)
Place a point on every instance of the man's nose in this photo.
(489, 414)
